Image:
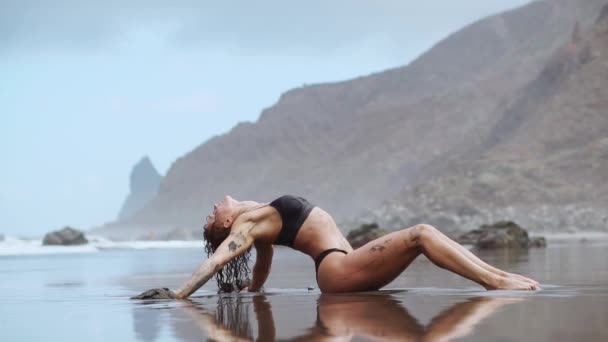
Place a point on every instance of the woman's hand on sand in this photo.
(247, 289)
(160, 293)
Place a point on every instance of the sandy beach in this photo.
(87, 294)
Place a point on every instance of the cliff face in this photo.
(144, 183)
(543, 161)
(348, 146)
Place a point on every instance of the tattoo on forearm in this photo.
(233, 246)
(238, 240)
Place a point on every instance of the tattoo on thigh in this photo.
(377, 248)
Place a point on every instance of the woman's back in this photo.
(294, 222)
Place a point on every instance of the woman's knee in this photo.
(420, 233)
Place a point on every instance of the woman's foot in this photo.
(518, 277)
(511, 283)
(524, 279)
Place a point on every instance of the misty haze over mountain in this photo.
(504, 119)
(89, 87)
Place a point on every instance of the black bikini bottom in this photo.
(322, 256)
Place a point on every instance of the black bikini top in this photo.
(294, 211)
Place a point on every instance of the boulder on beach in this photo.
(67, 236)
(502, 234)
(364, 234)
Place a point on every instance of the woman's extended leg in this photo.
(382, 260)
(485, 265)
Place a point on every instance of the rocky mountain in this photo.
(144, 183)
(543, 160)
(417, 134)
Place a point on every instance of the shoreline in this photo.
(587, 236)
(107, 243)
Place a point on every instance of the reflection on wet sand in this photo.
(338, 318)
(231, 320)
(146, 322)
(385, 318)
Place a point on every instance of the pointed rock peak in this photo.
(144, 185)
(144, 176)
(144, 165)
(145, 162)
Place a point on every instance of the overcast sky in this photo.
(89, 87)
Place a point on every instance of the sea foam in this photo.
(18, 246)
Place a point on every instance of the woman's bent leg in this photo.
(369, 267)
(380, 261)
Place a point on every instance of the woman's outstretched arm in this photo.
(234, 245)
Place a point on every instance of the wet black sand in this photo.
(87, 296)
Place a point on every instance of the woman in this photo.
(233, 227)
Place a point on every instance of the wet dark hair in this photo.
(233, 313)
(235, 275)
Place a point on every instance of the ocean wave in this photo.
(103, 243)
(12, 246)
